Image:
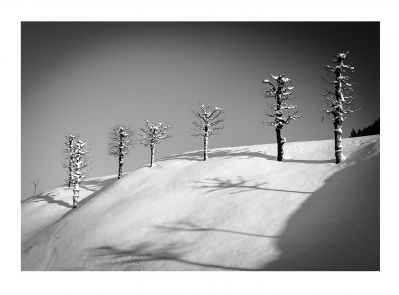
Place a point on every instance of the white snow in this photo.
(240, 210)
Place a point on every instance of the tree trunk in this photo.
(70, 173)
(70, 163)
(205, 148)
(279, 117)
(280, 143)
(34, 192)
(339, 155)
(120, 155)
(152, 156)
(338, 115)
(120, 166)
(76, 190)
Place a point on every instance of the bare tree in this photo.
(68, 156)
(35, 187)
(339, 101)
(80, 168)
(121, 141)
(208, 120)
(152, 134)
(279, 112)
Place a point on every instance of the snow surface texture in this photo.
(240, 210)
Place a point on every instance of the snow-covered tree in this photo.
(279, 112)
(152, 134)
(68, 156)
(121, 141)
(207, 122)
(80, 167)
(339, 101)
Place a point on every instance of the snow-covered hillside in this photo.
(240, 210)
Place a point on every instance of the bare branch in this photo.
(209, 120)
(279, 109)
(343, 82)
(154, 133)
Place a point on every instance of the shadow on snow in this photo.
(49, 198)
(338, 227)
(244, 153)
(96, 186)
(220, 184)
(147, 252)
(185, 226)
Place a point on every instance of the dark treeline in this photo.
(369, 130)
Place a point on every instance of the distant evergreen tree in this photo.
(372, 129)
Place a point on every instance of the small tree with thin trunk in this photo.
(152, 134)
(208, 120)
(121, 141)
(279, 111)
(70, 141)
(80, 168)
(338, 101)
(35, 187)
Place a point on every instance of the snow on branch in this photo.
(69, 151)
(121, 140)
(279, 91)
(153, 133)
(81, 164)
(208, 120)
(338, 101)
(80, 167)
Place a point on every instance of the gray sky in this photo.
(88, 77)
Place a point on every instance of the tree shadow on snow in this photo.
(184, 226)
(146, 252)
(217, 183)
(49, 198)
(95, 186)
(337, 228)
(243, 153)
(198, 155)
(99, 187)
(308, 161)
(274, 158)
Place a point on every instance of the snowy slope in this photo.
(241, 210)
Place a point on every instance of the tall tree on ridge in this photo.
(338, 101)
(207, 121)
(121, 141)
(80, 168)
(152, 134)
(280, 91)
(68, 156)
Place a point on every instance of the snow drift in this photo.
(240, 210)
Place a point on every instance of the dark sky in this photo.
(88, 77)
